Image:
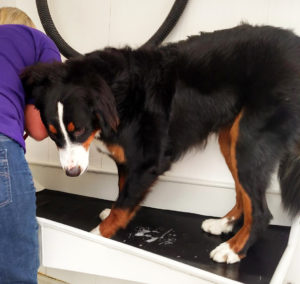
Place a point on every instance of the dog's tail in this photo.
(289, 178)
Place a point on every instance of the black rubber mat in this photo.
(171, 234)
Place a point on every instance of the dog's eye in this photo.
(78, 132)
(52, 130)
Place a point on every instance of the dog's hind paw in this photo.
(217, 226)
(104, 214)
(223, 253)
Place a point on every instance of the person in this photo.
(21, 45)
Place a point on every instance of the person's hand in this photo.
(33, 123)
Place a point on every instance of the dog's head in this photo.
(75, 103)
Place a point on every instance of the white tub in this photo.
(65, 247)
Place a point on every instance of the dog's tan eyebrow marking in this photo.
(52, 129)
(86, 144)
(71, 127)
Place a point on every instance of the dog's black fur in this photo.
(157, 103)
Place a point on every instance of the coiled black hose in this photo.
(68, 51)
(52, 32)
(168, 24)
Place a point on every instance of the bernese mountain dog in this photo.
(149, 106)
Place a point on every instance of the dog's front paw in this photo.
(217, 226)
(104, 214)
(223, 253)
(96, 231)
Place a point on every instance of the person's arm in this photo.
(33, 123)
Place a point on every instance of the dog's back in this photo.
(256, 69)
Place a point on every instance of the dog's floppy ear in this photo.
(104, 107)
(37, 78)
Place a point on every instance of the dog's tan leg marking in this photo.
(226, 224)
(229, 251)
(117, 152)
(107, 212)
(225, 141)
(122, 180)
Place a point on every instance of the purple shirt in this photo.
(20, 46)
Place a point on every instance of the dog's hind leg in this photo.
(253, 155)
(225, 224)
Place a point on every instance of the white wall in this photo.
(93, 24)
(5, 3)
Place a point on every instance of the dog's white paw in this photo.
(96, 231)
(217, 226)
(104, 214)
(223, 253)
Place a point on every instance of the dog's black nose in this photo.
(73, 172)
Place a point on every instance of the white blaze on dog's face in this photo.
(74, 156)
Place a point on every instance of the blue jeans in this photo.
(19, 256)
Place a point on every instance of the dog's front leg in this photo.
(122, 171)
(133, 186)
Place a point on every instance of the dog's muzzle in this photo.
(74, 160)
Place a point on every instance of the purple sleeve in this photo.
(49, 55)
(48, 52)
